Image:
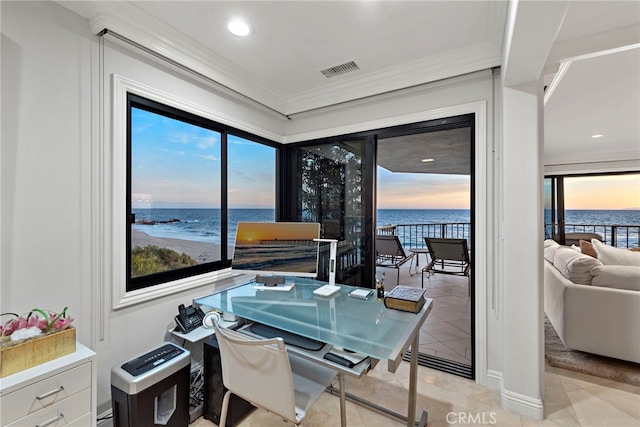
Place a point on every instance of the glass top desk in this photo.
(363, 326)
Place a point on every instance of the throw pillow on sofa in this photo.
(587, 248)
(617, 276)
(610, 255)
(575, 265)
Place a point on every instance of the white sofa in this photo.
(593, 304)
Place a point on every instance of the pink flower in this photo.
(46, 321)
(61, 323)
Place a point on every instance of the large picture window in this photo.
(180, 223)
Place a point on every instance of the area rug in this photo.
(599, 366)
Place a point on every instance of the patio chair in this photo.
(390, 253)
(448, 256)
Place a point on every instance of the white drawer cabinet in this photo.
(61, 392)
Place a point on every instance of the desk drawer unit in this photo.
(57, 393)
(63, 413)
(45, 393)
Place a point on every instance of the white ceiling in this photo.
(398, 44)
(293, 41)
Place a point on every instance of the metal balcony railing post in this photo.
(614, 235)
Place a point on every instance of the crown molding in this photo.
(453, 63)
(130, 22)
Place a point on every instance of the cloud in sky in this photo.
(178, 165)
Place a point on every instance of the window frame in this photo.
(141, 282)
(125, 90)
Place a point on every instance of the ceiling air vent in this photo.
(337, 70)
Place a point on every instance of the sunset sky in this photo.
(177, 165)
(603, 192)
(420, 191)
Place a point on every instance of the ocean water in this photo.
(201, 225)
(204, 224)
(604, 217)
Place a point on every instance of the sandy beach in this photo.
(199, 251)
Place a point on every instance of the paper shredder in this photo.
(152, 389)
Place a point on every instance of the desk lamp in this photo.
(332, 258)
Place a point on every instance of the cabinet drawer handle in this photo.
(51, 421)
(50, 393)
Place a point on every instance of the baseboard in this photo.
(515, 402)
(522, 404)
(493, 379)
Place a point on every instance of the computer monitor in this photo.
(276, 249)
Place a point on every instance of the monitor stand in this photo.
(270, 280)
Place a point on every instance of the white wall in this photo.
(46, 149)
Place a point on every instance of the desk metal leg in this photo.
(413, 390)
(343, 406)
(413, 386)
(413, 383)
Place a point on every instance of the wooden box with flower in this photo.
(34, 338)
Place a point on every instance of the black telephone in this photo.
(188, 318)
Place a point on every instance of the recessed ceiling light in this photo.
(427, 160)
(238, 27)
(597, 136)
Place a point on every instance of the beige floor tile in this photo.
(591, 410)
(576, 381)
(560, 422)
(446, 397)
(460, 346)
(442, 351)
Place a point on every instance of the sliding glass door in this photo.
(334, 182)
(554, 209)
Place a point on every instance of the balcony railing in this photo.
(620, 236)
(412, 235)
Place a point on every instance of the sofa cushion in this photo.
(617, 276)
(610, 255)
(550, 248)
(587, 248)
(574, 265)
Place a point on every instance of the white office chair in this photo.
(261, 372)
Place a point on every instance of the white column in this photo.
(521, 236)
(530, 32)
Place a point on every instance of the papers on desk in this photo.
(278, 287)
(326, 290)
(361, 293)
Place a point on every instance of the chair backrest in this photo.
(448, 249)
(258, 370)
(389, 246)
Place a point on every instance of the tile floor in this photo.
(571, 399)
(447, 331)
